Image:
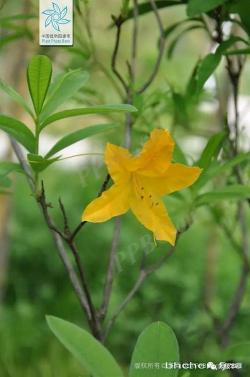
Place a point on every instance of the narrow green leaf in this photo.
(218, 169)
(76, 136)
(225, 45)
(170, 29)
(7, 167)
(18, 131)
(5, 182)
(63, 89)
(15, 96)
(179, 156)
(211, 150)
(39, 75)
(39, 163)
(173, 44)
(233, 192)
(239, 51)
(14, 36)
(100, 109)
(239, 352)
(196, 7)
(146, 7)
(89, 352)
(205, 69)
(242, 8)
(156, 344)
(17, 17)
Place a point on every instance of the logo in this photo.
(56, 16)
(56, 22)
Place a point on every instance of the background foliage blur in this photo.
(203, 269)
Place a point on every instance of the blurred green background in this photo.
(204, 268)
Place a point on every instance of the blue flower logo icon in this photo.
(56, 16)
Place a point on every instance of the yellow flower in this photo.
(139, 183)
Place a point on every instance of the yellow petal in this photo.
(177, 177)
(113, 202)
(151, 212)
(156, 154)
(117, 160)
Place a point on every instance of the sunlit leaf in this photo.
(100, 109)
(39, 163)
(39, 75)
(15, 96)
(76, 136)
(233, 192)
(205, 69)
(63, 89)
(7, 167)
(220, 168)
(18, 131)
(211, 150)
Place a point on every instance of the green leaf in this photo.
(239, 352)
(178, 155)
(219, 169)
(15, 96)
(76, 136)
(225, 45)
(242, 8)
(90, 353)
(233, 192)
(211, 150)
(239, 51)
(39, 163)
(18, 131)
(173, 44)
(14, 36)
(205, 69)
(156, 344)
(63, 89)
(100, 109)
(5, 182)
(169, 30)
(7, 167)
(16, 17)
(146, 7)
(39, 75)
(196, 7)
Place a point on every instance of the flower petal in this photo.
(113, 202)
(177, 177)
(117, 161)
(151, 212)
(156, 154)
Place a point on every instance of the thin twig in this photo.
(94, 325)
(110, 273)
(161, 49)
(144, 273)
(83, 223)
(118, 23)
